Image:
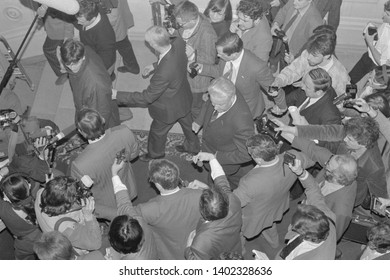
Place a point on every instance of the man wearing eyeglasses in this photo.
(200, 38)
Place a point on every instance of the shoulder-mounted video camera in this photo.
(8, 116)
(169, 18)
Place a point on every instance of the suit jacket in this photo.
(172, 218)
(96, 161)
(320, 113)
(342, 201)
(264, 194)
(148, 250)
(258, 39)
(168, 97)
(227, 135)
(371, 171)
(327, 250)
(310, 20)
(253, 79)
(92, 88)
(223, 235)
(203, 41)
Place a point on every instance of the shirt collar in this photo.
(329, 65)
(270, 164)
(236, 63)
(96, 21)
(96, 140)
(161, 56)
(169, 192)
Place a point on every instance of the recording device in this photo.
(281, 34)
(350, 93)
(82, 192)
(182, 183)
(193, 66)
(8, 116)
(288, 158)
(371, 30)
(375, 207)
(70, 7)
(170, 19)
(87, 181)
(267, 127)
(120, 156)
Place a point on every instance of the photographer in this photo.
(64, 205)
(378, 42)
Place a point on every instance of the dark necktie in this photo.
(290, 247)
(214, 116)
(288, 25)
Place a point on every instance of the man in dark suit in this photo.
(316, 106)
(168, 97)
(251, 75)
(95, 159)
(227, 123)
(219, 228)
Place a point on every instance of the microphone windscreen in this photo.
(70, 7)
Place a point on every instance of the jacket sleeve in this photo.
(293, 72)
(384, 125)
(100, 100)
(331, 133)
(313, 151)
(240, 154)
(158, 85)
(86, 237)
(314, 196)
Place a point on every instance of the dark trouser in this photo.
(361, 68)
(125, 49)
(158, 136)
(50, 51)
(197, 103)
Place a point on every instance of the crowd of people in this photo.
(274, 107)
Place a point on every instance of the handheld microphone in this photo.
(70, 7)
(56, 138)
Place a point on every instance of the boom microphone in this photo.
(70, 7)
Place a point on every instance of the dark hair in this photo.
(230, 43)
(72, 51)
(230, 256)
(213, 204)
(325, 29)
(89, 9)
(386, 6)
(252, 8)
(323, 43)
(321, 79)
(125, 234)
(59, 196)
(187, 11)
(91, 123)
(364, 130)
(310, 223)
(53, 245)
(219, 5)
(379, 237)
(165, 173)
(17, 188)
(262, 146)
(379, 102)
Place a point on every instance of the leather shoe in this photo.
(147, 157)
(131, 69)
(181, 149)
